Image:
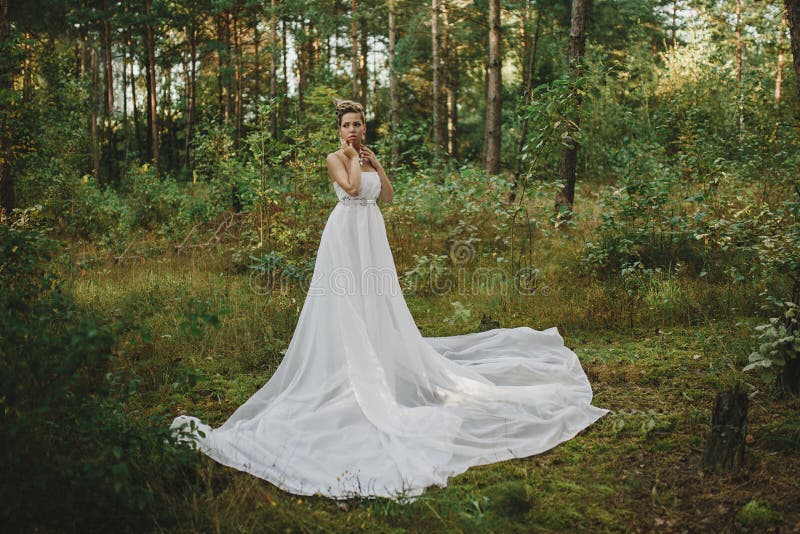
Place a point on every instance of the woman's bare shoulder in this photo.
(336, 155)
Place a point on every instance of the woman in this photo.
(362, 404)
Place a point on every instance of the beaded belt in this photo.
(358, 201)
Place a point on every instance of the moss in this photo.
(757, 515)
(509, 499)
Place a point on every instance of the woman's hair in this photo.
(348, 106)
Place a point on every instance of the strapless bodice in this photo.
(370, 186)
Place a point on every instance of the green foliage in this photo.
(220, 165)
(78, 207)
(641, 223)
(756, 514)
(430, 275)
(68, 443)
(554, 115)
(641, 423)
(274, 272)
(778, 342)
(461, 314)
(156, 200)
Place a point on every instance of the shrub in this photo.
(78, 207)
(72, 460)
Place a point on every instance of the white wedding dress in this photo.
(363, 405)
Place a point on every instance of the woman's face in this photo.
(352, 128)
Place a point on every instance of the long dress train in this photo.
(363, 405)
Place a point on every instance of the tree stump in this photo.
(724, 451)
(789, 377)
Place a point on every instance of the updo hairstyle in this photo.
(348, 106)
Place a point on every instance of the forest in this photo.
(625, 170)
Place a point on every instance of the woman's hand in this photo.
(347, 149)
(368, 155)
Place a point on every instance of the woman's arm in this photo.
(347, 176)
(387, 191)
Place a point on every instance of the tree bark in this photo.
(109, 68)
(191, 103)
(95, 103)
(151, 85)
(285, 61)
(793, 19)
(125, 131)
(237, 100)
(301, 63)
(7, 194)
(394, 103)
(136, 116)
(27, 70)
(362, 63)
(530, 70)
(227, 100)
(494, 94)
(779, 73)
(438, 138)
(569, 155)
(739, 66)
(108, 102)
(724, 452)
(166, 130)
(273, 70)
(451, 77)
(256, 62)
(354, 48)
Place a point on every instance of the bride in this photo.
(362, 404)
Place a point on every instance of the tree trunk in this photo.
(227, 78)
(674, 24)
(136, 118)
(739, 66)
(394, 104)
(494, 94)
(151, 85)
(187, 97)
(779, 73)
(273, 70)
(789, 378)
(191, 104)
(27, 70)
(7, 195)
(95, 103)
(362, 63)
(125, 131)
(569, 155)
(438, 138)
(793, 18)
(166, 126)
(724, 452)
(530, 71)
(220, 69)
(256, 62)
(109, 69)
(453, 83)
(237, 46)
(354, 48)
(451, 76)
(284, 58)
(301, 64)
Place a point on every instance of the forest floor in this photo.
(635, 470)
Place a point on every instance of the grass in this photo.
(656, 360)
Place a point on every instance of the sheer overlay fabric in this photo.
(363, 405)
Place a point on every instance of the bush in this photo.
(72, 460)
(78, 207)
